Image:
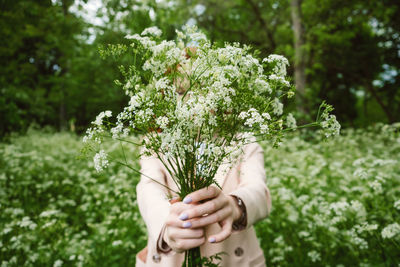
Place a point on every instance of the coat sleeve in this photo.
(152, 197)
(252, 188)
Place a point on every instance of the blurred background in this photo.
(345, 52)
(335, 202)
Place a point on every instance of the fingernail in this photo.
(183, 216)
(187, 200)
(187, 224)
(211, 239)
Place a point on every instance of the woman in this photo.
(216, 220)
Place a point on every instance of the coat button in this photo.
(156, 258)
(238, 251)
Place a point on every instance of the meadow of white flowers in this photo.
(335, 202)
(56, 210)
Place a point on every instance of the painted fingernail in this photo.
(183, 216)
(187, 200)
(187, 224)
(211, 240)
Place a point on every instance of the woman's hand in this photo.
(179, 235)
(211, 206)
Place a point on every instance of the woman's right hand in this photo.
(178, 234)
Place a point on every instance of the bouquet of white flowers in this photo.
(196, 107)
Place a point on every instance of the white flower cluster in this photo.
(101, 116)
(153, 31)
(100, 160)
(252, 117)
(330, 126)
(188, 92)
(314, 255)
(329, 193)
(397, 204)
(281, 64)
(291, 121)
(277, 107)
(146, 41)
(391, 231)
(93, 132)
(262, 85)
(162, 122)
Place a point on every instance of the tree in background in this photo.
(39, 39)
(346, 52)
(340, 50)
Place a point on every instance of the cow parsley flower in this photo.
(162, 122)
(391, 231)
(58, 263)
(266, 116)
(280, 61)
(145, 41)
(365, 227)
(291, 121)
(397, 204)
(101, 116)
(116, 243)
(314, 256)
(277, 107)
(279, 79)
(100, 160)
(376, 186)
(153, 31)
(262, 85)
(330, 126)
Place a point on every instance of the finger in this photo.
(179, 233)
(185, 244)
(178, 207)
(174, 200)
(207, 207)
(218, 216)
(202, 194)
(224, 234)
(174, 221)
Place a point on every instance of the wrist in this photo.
(240, 221)
(236, 210)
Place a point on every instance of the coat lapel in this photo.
(222, 173)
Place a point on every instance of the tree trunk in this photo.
(385, 109)
(64, 69)
(62, 112)
(300, 55)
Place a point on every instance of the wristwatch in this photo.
(240, 223)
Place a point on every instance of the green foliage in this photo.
(38, 41)
(326, 196)
(332, 200)
(54, 207)
(352, 47)
(52, 73)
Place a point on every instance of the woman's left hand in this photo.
(211, 206)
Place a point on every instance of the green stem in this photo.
(192, 258)
(133, 169)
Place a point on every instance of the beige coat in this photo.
(246, 180)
